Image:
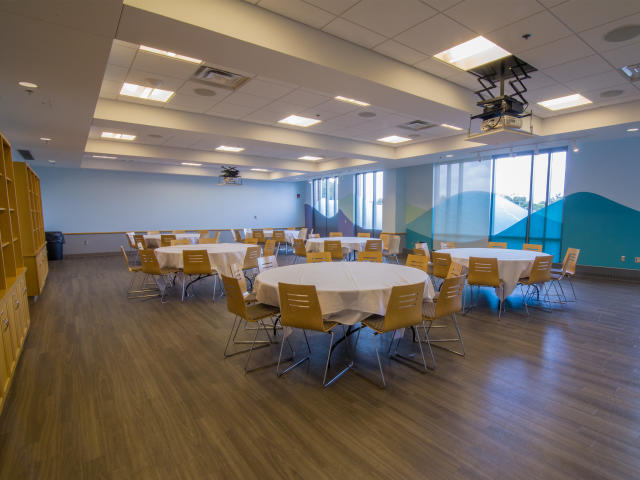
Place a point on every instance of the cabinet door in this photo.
(4, 371)
(7, 307)
(7, 340)
(24, 305)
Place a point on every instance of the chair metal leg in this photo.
(326, 383)
(253, 347)
(408, 360)
(375, 345)
(232, 338)
(435, 341)
(299, 362)
(183, 285)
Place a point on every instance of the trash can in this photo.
(54, 245)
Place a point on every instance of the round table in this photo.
(221, 255)
(355, 289)
(153, 240)
(350, 243)
(512, 264)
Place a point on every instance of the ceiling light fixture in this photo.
(394, 139)
(568, 101)
(472, 53)
(118, 136)
(353, 101)
(449, 155)
(310, 157)
(259, 170)
(45, 139)
(108, 157)
(28, 84)
(191, 164)
(452, 127)
(146, 93)
(632, 129)
(51, 161)
(225, 148)
(299, 121)
(166, 53)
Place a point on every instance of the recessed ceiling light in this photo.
(259, 170)
(204, 92)
(299, 121)
(632, 129)
(568, 101)
(310, 157)
(28, 84)
(191, 164)
(611, 93)
(622, 34)
(353, 101)
(166, 53)
(449, 155)
(118, 136)
(52, 161)
(452, 127)
(367, 114)
(146, 93)
(110, 157)
(394, 139)
(473, 53)
(45, 139)
(224, 148)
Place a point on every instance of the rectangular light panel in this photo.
(225, 148)
(299, 121)
(146, 93)
(166, 53)
(353, 101)
(310, 158)
(118, 136)
(473, 53)
(561, 103)
(394, 139)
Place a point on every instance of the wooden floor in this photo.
(111, 388)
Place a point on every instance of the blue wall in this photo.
(85, 200)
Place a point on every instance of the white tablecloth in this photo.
(290, 235)
(221, 255)
(355, 289)
(351, 243)
(153, 240)
(512, 264)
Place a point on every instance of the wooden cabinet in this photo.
(14, 309)
(31, 227)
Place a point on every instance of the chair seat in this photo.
(375, 322)
(135, 268)
(258, 311)
(250, 297)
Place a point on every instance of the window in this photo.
(369, 192)
(325, 196)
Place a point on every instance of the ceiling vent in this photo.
(220, 78)
(26, 154)
(417, 125)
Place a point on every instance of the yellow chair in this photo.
(394, 247)
(291, 228)
(150, 267)
(447, 245)
(269, 248)
(483, 272)
(373, 246)
(299, 249)
(203, 233)
(237, 236)
(196, 262)
(216, 236)
(180, 241)
(497, 244)
(179, 231)
(539, 276)
(252, 313)
(267, 263)
(300, 308)
(279, 238)
(258, 234)
(131, 242)
(251, 261)
(447, 304)
(533, 247)
(207, 241)
(455, 270)
(417, 261)
(251, 240)
(134, 270)
(567, 271)
(165, 240)
(385, 241)
(373, 256)
(153, 232)
(236, 272)
(335, 247)
(441, 264)
(335, 234)
(139, 241)
(318, 257)
(364, 235)
(404, 310)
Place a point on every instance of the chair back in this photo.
(203, 233)
(335, 234)
(180, 241)
(279, 236)
(141, 232)
(149, 262)
(126, 259)
(404, 308)
(302, 235)
(196, 262)
(251, 258)
(450, 297)
(130, 240)
(373, 245)
(314, 235)
(317, 257)
(235, 297)
(139, 240)
(299, 306)
(385, 240)
(364, 235)
(370, 256)
(483, 271)
(424, 246)
(533, 247)
(207, 241)
(216, 236)
(251, 240)
(179, 231)
(236, 272)
(394, 245)
(298, 247)
(335, 247)
(570, 261)
(455, 270)
(497, 244)
(267, 263)
(269, 248)
(165, 240)
(441, 264)
(237, 236)
(258, 235)
(541, 269)
(291, 228)
(417, 261)
(444, 245)
(153, 232)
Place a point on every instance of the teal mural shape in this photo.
(417, 230)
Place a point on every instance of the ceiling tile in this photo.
(400, 52)
(353, 33)
(595, 36)
(265, 89)
(224, 109)
(558, 52)
(543, 27)
(578, 68)
(299, 10)
(122, 53)
(538, 80)
(465, 79)
(482, 18)
(628, 92)
(246, 100)
(305, 98)
(188, 88)
(150, 62)
(284, 108)
(435, 35)
(110, 89)
(115, 73)
(600, 80)
(441, 5)
(192, 102)
(547, 93)
(140, 77)
(388, 18)
(264, 116)
(436, 67)
(581, 15)
(629, 55)
(183, 140)
(336, 7)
